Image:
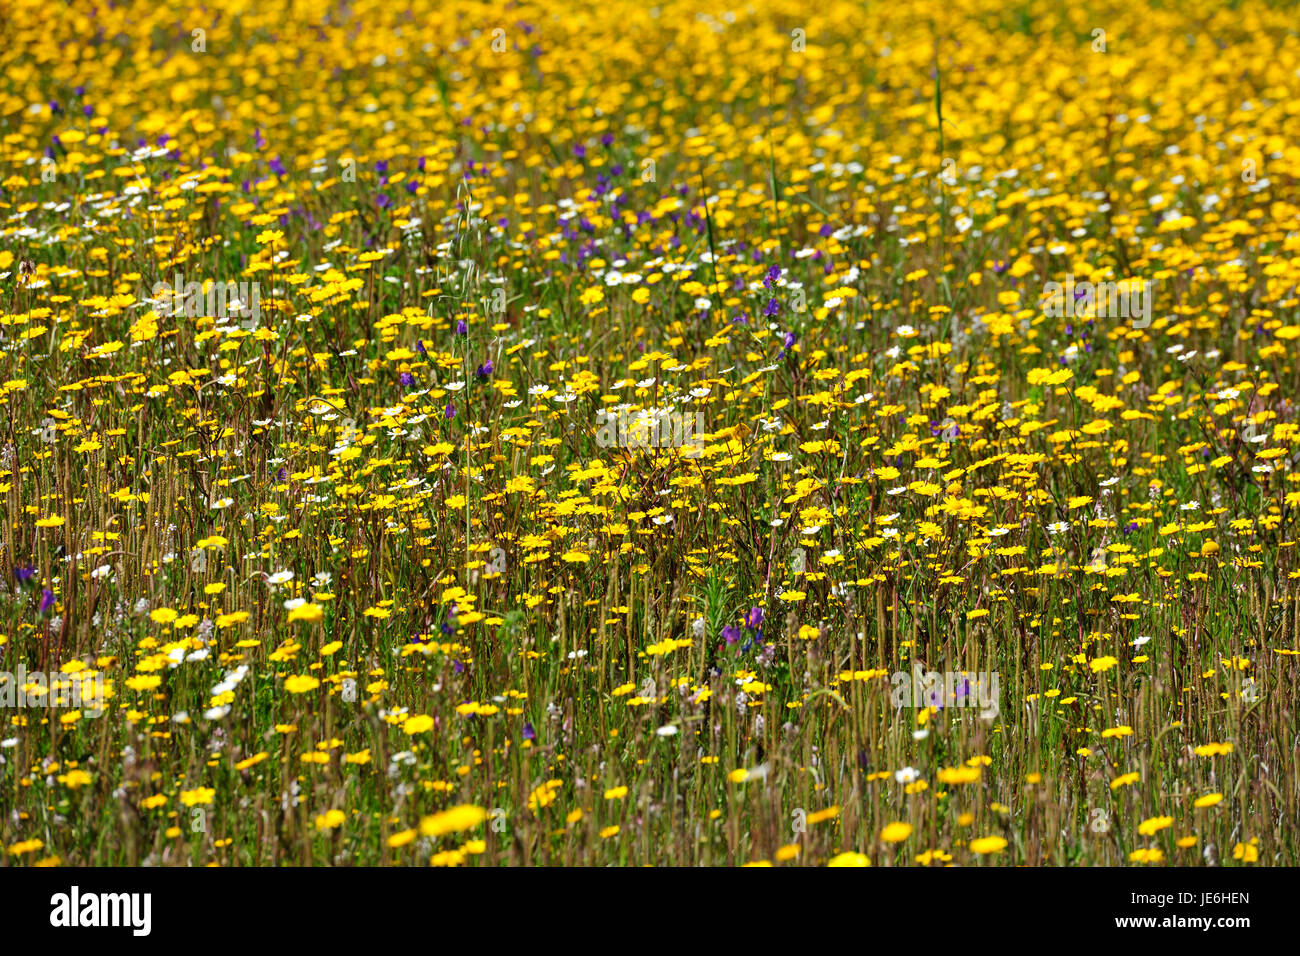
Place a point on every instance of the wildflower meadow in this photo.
(619, 433)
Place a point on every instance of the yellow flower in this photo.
(734, 480)
(462, 817)
(849, 859)
(418, 724)
(26, 846)
(252, 761)
(987, 845)
(200, 796)
(300, 683)
(74, 779)
(1213, 750)
(1153, 825)
(311, 613)
(896, 832)
(1047, 376)
(957, 775)
(402, 838)
(330, 820)
(544, 795)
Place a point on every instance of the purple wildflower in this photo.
(786, 345)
